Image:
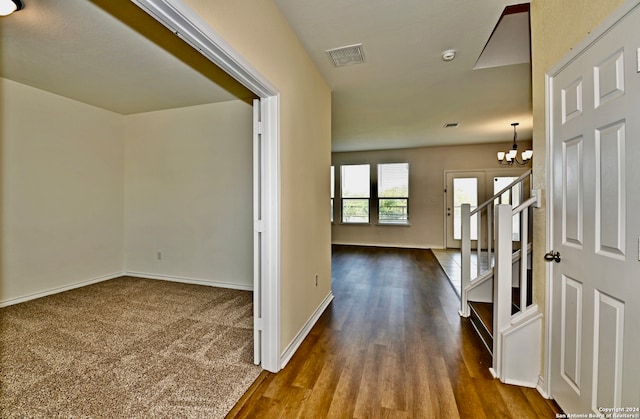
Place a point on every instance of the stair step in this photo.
(482, 320)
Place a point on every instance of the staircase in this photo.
(481, 313)
(499, 297)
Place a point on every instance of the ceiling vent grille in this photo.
(452, 125)
(352, 54)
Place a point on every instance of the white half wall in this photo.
(62, 192)
(188, 194)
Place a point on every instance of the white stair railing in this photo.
(516, 332)
(516, 346)
(484, 248)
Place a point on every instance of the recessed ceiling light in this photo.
(452, 125)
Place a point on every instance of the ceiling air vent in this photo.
(352, 54)
(452, 125)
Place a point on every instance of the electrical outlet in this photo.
(159, 255)
(316, 280)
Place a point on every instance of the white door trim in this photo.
(593, 37)
(186, 24)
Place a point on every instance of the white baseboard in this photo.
(391, 245)
(541, 387)
(304, 331)
(520, 383)
(186, 280)
(57, 290)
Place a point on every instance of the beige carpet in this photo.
(127, 347)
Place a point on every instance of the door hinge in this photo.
(259, 324)
(259, 226)
(259, 128)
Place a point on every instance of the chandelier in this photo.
(508, 158)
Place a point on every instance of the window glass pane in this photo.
(355, 181)
(393, 180)
(509, 197)
(502, 182)
(393, 211)
(355, 193)
(333, 183)
(355, 210)
(465, 191)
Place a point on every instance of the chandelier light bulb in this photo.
(9, 6)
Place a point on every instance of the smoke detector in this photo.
(343, 56)
(449, 55)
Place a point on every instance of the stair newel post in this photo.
(465, 262)
(502, 282)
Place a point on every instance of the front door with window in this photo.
(474, 188)
(594, 201)
(462, 188)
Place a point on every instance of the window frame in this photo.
(333, 192)
(379, 199)
(344, 199)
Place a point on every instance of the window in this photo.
(333, 189)
(512, 197)
(355, 193)
(465, 191)
(393, 193)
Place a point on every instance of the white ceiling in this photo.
(116, 57)
(405, 93)
(78, 49)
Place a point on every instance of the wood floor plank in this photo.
(319, 401)
(390, 345)
(343, 403)
(368, 402)
(445, 406)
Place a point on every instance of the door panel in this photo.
(462, 188)
(610, 190)
(595, 319)
(476, 187)
(571, 325)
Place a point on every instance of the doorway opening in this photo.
(188, 26)
(474, 187)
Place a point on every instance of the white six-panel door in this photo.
(594, 130)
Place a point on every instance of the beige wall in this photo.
(258, 31)
(88, 194)
(556, 27)
(188, 194)
(427, 166)
(62, 201)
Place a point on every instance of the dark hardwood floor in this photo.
(391, 344)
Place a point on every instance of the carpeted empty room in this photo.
(127, 347)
